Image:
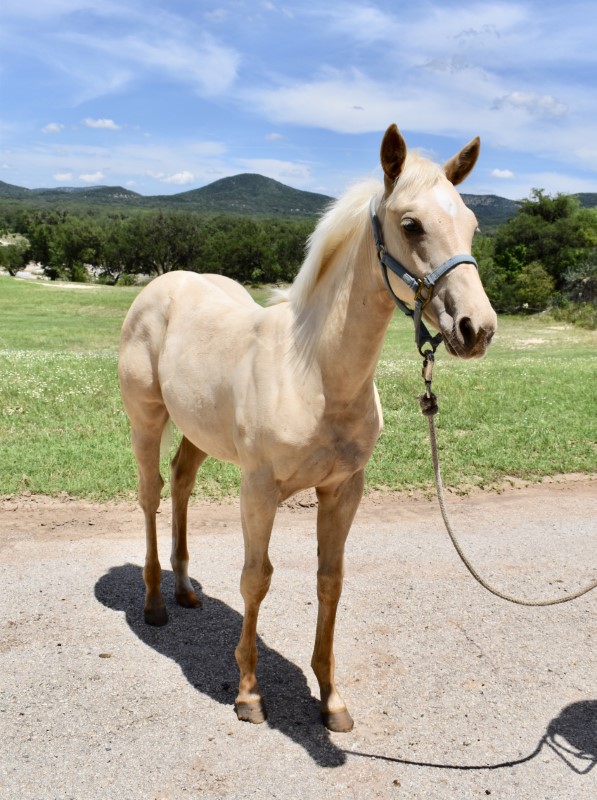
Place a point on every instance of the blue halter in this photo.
(422, 287)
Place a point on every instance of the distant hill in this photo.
(491, 211)
(96, 194)
(246, 194)
(251, 194)
(587, 199)
(68, 194)
(10, 192)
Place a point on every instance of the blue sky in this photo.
(163, 97)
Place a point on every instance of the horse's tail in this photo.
(167, 438)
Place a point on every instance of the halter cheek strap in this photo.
(422, 287)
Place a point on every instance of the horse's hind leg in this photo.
(336, 510)
(146, 439)
(185, 464)
(259, 502)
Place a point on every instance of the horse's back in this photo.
(181, 286)
(179, 293)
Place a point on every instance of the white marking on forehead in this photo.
(446, 200)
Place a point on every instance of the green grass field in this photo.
(525, 411)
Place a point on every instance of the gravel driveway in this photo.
(455, 693)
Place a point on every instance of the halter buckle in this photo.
(420, 297)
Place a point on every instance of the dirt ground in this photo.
(455, 693)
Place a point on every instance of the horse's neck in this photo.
(355, 316)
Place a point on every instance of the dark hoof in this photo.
(251, 712)
(156, 616)
(337, 721)
(188, 600)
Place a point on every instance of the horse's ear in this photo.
(393, 153)
(460, 165)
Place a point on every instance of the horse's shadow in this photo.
(202, 643)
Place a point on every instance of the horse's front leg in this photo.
(259, 501)
(335, 514)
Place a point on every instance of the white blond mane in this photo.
(343, 220)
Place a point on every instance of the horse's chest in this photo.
(328, 454)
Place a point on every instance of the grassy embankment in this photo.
(527, 410)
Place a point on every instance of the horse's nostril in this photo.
(467, 331)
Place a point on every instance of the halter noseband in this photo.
(422, 287)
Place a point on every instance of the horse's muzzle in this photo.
(469, 339)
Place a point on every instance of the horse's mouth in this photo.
(467, 347)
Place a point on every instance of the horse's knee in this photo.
(255, 581)
(329, 587)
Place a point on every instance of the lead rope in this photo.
(429, 408)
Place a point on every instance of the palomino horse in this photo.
(287, 391)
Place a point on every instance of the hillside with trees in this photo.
(543, 255)
(246, 195)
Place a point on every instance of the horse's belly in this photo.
(216, 446)
(204, 417)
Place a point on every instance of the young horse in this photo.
(287, 391)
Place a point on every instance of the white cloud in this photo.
(523, 182)
(104, 124)
(178, 178)
(272, 7)
(217, 15)
(206, 64)
(554, 182)
(52, 127)
(326, 102)
(533, 103)
(274, 137)
(168, 50)
(502, 173)
(425, 33)
(56, 8)
(63, 176)
(95, 177)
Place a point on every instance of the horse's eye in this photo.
(411, 225)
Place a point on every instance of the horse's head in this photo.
(426, 223)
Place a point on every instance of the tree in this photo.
(553, 231)
(240, 249)
(14, 255)
(120, 250)
(289, 243)
(166, 241)
(533, 288)
(74, 245)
